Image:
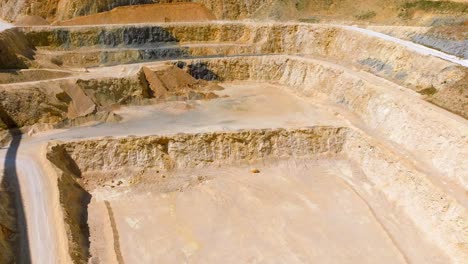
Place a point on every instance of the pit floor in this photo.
(292, 211)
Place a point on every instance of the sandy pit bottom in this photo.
(289, 212)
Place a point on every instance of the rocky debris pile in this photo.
(15, 50)
(171, 83)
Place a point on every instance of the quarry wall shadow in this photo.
(20, 245)
(199, 71)
(74, 200)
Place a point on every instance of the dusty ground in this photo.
(294, 211)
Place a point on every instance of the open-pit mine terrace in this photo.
(234, 142)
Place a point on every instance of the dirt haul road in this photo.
(412, 46)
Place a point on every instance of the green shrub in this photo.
(309, 20)
(365, 15)
(408, 8)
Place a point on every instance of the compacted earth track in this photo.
(230, 141)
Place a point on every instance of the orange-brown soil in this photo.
(176, 12)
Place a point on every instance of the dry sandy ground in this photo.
(290, 212)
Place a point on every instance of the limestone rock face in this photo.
(195, 150)
(33, 105)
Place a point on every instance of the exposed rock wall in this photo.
(458, 48)
(383, 58)
(197, 150)
(402, 117)
(232, 9)
(59, 9)
(76, 200)
(15, 50)
(108, 91)
(28, 106)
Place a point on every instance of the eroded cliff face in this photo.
(198, 150)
